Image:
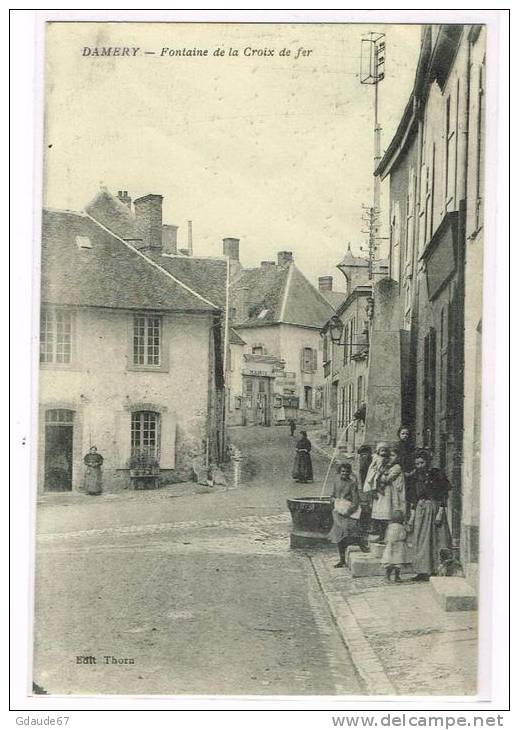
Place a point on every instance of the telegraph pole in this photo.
(372, 72)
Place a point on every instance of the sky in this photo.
(276, 150)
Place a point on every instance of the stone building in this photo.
(277, 312)
(131, 346)
(345, 362)
(432, 373)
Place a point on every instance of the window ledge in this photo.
(58, 366)
(148, 368)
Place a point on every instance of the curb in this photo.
(366, 662)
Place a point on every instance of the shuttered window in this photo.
(308, 360)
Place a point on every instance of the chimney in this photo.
(125, 198)
(169, 238)
(148, 215)
(285, 258)
(325, 283)
(190, 237)
(268, 264)
(231, 248)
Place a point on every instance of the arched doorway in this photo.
(59, 435)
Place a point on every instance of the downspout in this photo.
(460, 329)
(223, 443)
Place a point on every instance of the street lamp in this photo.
(336, 328)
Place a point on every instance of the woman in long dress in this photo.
(429, 517)
(302, 471)
(406, 452)
(93, 475)
(346, 513)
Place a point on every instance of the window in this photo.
(325, 348)
(308, 360)
(308, 397)
(395, 243)
(146, 339)
(353, 338)
(410, 204)
(55, 336)
(257, 350)
(146, 433)
(346, 343)
(451, 113)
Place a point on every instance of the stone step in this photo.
(454, 593)
(366, 565)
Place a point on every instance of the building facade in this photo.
(278, 314)
(345, 363)
(118, 338)
(435, 167)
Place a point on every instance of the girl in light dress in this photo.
(395, 552)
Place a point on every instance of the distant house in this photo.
(278, 314)
(346, 362)
(131, 346)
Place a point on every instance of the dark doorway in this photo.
(59, 431)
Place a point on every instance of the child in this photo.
(395, 552)
(449, 566)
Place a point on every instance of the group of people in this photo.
(402, 499)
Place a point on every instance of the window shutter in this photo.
(302, 359)
(168, 433)
(123, 424)
(314, 364)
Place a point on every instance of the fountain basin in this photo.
(311, 521)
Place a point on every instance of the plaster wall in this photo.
(102, 388)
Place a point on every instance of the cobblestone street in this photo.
(186, 593)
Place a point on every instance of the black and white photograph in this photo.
(259, 326)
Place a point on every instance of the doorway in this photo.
(59, 436)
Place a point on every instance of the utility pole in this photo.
(372, 71)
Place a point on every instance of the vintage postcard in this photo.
(260, 348)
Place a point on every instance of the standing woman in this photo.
(406, 460)
(93, 475)
(302, 471)
(346, 513)
(429, 517)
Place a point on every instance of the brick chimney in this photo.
(325, 283)
(231, 248)
(125, 198)
(268, 264)
(148, 215)
(285, 258)
(169, 238)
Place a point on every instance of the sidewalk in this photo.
(400, 639)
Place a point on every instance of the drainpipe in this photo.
(457, 505)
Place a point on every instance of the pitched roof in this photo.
(234, 337)
(117, 216)
(109, 273)
(335, 298)
(279, 294)
(205, 275)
